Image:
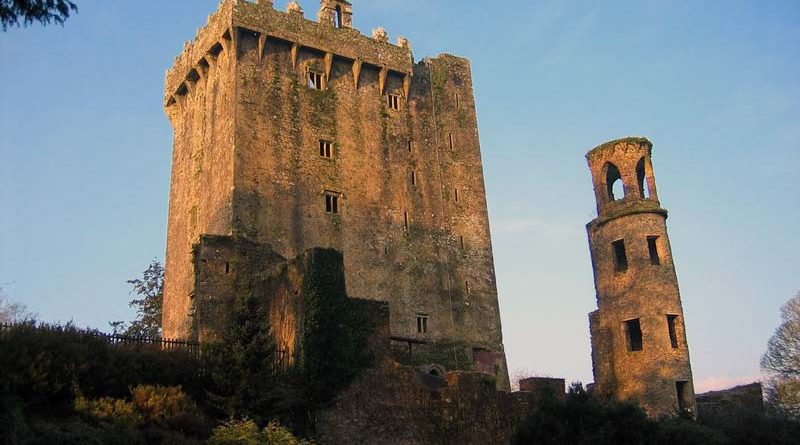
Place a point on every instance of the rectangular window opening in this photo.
(315, 80)
(227, 267)
(620, 257)
(681, 387)
(422, 324)
(393, 102)
(633, 333)
(652, 247)
(673, 330)
(331, 203)
(326, 149)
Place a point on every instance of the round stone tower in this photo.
(639, 348)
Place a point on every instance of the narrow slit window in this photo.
(672, 321)
(457, 197)
(620, 256)
(393, 102)
(405, 221)
(422, 324)
(331, 203)
(410, 147)
(315, 80)
(450, 137)
(413, 178)
(681, 387)
(326, 149)
(458, 101)
(652, 247)
(461, 241)
(633, 333)
(467, 288)
(227, 267)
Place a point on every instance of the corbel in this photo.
(356, 72)
(262, 46)
(328, 64)
(382, 79)
(295, 50)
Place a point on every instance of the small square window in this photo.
(673, 330)
(326, 149)
(315, 80)
(331, 203)
(633, 333)
(422, 324)
(652, 247)
(393, 102)
(620, 257)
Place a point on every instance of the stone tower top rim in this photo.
(602, 148)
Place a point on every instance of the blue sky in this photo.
(86, 151)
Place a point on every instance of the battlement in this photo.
(332, 35)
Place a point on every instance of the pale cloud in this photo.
(716, 383)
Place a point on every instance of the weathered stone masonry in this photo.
(292, 134)
(639, 348)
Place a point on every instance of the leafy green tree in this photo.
(25, 12)
(150, 289)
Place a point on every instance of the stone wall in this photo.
(393, 404)
(412, 219)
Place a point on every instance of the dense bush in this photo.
(582, 419)
(246, 432)
(50, 366)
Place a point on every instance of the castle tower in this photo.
(292, 134)
(639, 348)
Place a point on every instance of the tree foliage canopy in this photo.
(783, 350)
(25, 12)
(150, 289)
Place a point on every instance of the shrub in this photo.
(583, 419)
(50, 366)
(246, 432)
(108, 409)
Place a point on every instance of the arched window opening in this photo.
(337, 17)
(616, 188)
(641, 176)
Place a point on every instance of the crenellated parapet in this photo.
(331, 35)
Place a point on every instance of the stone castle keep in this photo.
(295, 134)
(294, 137)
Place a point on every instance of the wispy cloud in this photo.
(715, 383)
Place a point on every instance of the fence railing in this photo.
(283, 359)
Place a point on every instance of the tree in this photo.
(12, 312)
(12, 12)
(148, 308)
(782, 360)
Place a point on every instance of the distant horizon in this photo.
(86, 152)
